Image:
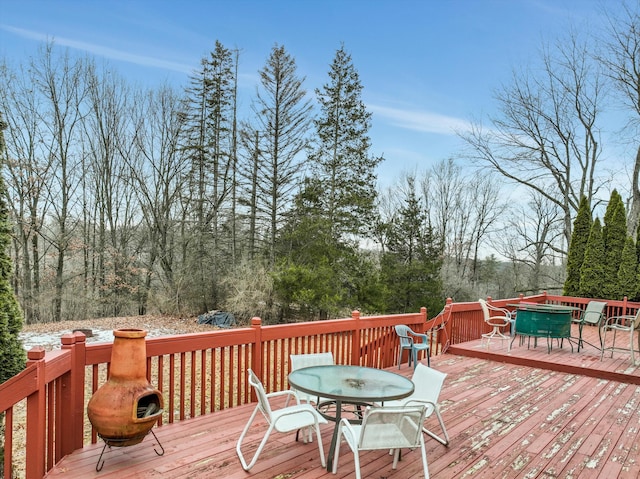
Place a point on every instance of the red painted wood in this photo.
(266, 349)
(504, 420)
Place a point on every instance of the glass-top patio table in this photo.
(353, 385)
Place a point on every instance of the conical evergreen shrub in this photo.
(593, 270)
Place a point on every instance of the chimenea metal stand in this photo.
(117, 443)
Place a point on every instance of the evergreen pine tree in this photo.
(411, 265)
(12, 355)
(593, 268)
(614, 235)
(637, 238)
(283, 115)
(339, 156)
(575, 256)
(628, 272)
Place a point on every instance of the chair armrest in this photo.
(347, 430)
(303, 409)
(430, 405)
(423, 337)
(286, 392)
(410, 339)
(497, 309)
(499, 320)
(619, 320)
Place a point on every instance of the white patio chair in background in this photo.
(498, 319)
(286, 419)
(428, 384)
(299, 361)
(384, 428)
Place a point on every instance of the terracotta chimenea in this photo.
(125, 408)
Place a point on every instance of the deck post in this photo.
(36, 418)
(423, 324)
(73, 394)
(355, 339)
(448, 325)
(256, 353)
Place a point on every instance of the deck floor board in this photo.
(515, 414)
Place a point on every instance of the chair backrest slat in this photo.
(485, 309)
(299, 361)
(261, 394)
(392, 427)
(428, 383)
(403, 333)
(594, 312)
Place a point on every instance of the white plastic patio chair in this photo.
(384, 428)
(428, 384)
(286, 419)
(498, 319)
(408, 341)
(627, 323)
(299, 361)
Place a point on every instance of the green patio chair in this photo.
(408, 341)
(593, 315)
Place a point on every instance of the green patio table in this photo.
(551, 321)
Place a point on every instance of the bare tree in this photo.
(534, 237)
(158, 172)
(28, 169)
(109, 213)
(621, 59)
(546, 137)
(283, 116)
(465, 209)
(248, 170)
(61, 83)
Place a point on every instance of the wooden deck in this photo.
(508, 414)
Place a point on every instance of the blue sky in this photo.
(428, 67)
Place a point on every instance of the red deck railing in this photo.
(205, 372)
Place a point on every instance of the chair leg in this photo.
(444, 441)
(356, 463)
(254, 459)
(396, 458)
(425, 465)
(336, 452)
(320, 446)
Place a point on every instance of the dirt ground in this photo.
(48, 335)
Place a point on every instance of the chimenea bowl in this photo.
(124, 409)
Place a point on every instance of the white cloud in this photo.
(421, 120)
(102, 50)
